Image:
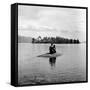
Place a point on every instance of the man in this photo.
(52, 49)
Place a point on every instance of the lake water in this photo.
(69, 67)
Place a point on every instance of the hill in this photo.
(23, 39)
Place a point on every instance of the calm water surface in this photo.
(69, 67)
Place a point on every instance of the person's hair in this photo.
(54, 46)
(51, 43)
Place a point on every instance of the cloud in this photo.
(33, 25)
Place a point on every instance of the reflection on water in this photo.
(52, 62)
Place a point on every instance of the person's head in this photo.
(51, 43)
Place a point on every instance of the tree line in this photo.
(57, 40)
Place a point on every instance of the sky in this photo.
(34, 21)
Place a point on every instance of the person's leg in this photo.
(50, 50)
(54, 51)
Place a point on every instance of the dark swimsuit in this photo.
(52, 49)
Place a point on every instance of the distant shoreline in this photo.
(54, 43)
(57, 43)
(48, 40)
(59, 40)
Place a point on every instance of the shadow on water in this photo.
(52, 62)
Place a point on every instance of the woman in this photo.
(52, 49)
